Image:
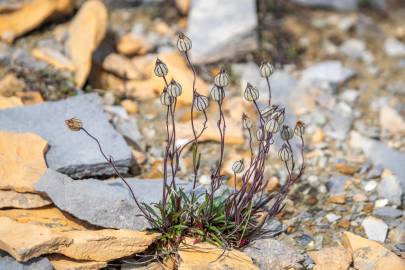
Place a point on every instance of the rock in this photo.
(10, 84)
(390, 188)
(388, 212)
(391, 120)
(345, 168)
(8, 263)
(271, 254)
(394, 47)
(12, 199)
(53, 57)
(233, 133)
(60, 262)
(28, 241)
(226, 38)
(22, 162)
(9, 102)
(133, 44)
(86, 31)
(332, 72)
(183, 6)
(106, 245)
(370, 185)
(120, 66)
(203, 256)
(343, 5)
(397, 235)
(107, 203)
(30, 16)
(375, 229)
(30, 97)
(369, 255)
(130, 106)
(332, 258)
(381, 154)
(70, 152)
(354, 48)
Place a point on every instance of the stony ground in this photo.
(340, 67)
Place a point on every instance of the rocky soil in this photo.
(340, 68)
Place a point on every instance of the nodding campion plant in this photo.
(229, 218)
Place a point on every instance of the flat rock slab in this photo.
(106, 203)
(332, 72)
(8, 263)
(330, 4)
(272, 254)
(221, 31)
(12, 199)
(60, 262)
(72, 153)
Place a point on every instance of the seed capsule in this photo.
(222, 79)
(246, 122)
(183, 43)
(174, 89)
(286, 133)
(271, 126)
(166, 99)
(266, 112)
(238, 166)
(201, 102)
(261, 135)
(74, 124)
(284, 153)
(217, 93)
(251, 93)
(299, 129)
(160, 68)
(266, 69)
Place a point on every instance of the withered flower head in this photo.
(246, 122)
(286, 133)
(217, 93)
(284, 153)
(74, 124)
(160, 68)
(238, 166)
(251, 93)
(271, 126)
(166, 99)
(266, 69)
(183, 43)
(299, 129)
(222, 78)
(174, 89)
(201, 102)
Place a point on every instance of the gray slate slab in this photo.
(72, 153)
(331, 71)
(9, 263)
(104, 203)
(222, 29)
(330, 4)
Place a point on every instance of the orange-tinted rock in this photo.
(132, 44)
(12, 199)
(53, 58)
(345, 168)
(333, 258)
(130, 106)
(30, 97)
(86, 31)
(30, 16)
(22, 160)
(60, 262)
(183, 6)
(10, 84)
(121, 66)
(9, 102)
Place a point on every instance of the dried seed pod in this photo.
(217, 93)
(160, 68)
(166, 99)
(284, 153)
(299, 129)
(238, 166)
(261, 135)
(174, 89)
(183, 43)
(246, 122)
(266, 69)
(201, 102)
(251, 93)
(266, 112)
(271, 126)
(286, 133)
(222, 78)
(74, 124)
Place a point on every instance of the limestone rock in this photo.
(133, 44)
(271, 254)
(27, 241)
(12, 199)
(72, 153)
(369, 255)
(22, 160)
(10, 84)
(104, 203)
(391, 120)
(333, 258)
(390, 189)
(105, 245)
(328, 71)
(215, 38)
(86, 31)
(30, 97)
(331, 4)
(60, 262)
(53, 57)
(204, 256)
(121, 66)
(8, 263)
(394, 48)
(30, 16)
(9, 102)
